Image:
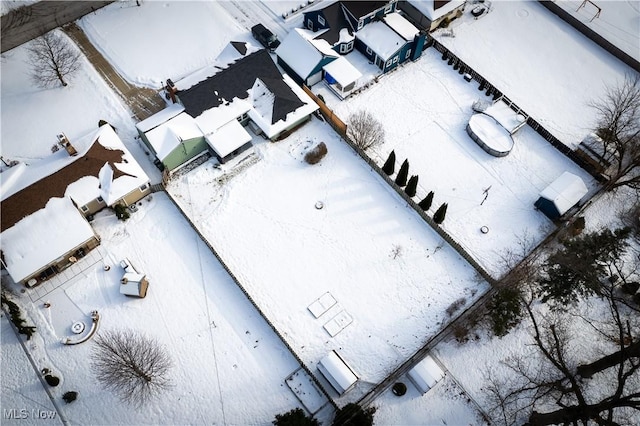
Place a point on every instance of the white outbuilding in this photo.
(337, 372)
(425, 374)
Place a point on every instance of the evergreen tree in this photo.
(425, 204)
(578, 268)
(390, 165)
(438, 217)
(401, 179)
(412, 186)
(353, 414)
(295, 417)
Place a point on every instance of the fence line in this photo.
(248, 296)
(334, 121)
(486, 86)
(591, 35)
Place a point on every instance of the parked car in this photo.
(265, 37)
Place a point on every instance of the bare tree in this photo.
(577, 379)
(618, 126)
(364, 130)
(52, 59)
(133, 366)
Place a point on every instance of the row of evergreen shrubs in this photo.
(411, 185)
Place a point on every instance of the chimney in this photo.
(64, 142)
(171, 90)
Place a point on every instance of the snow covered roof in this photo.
(232, 53)
(337, 372)
(228, 138)
(212, 119)
(160, 117)
(342, 71)
(565, 192)
(236, 82)
(427, 7)
(167, 136)
(269, 124)
(105, 169)
(299, 53)
(400, 25)
(490, 132)
(114, 180)
(42, 237)
(426, 374)
(381, 39)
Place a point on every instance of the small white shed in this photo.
(425, 374)
(132, 282)
(337, 372)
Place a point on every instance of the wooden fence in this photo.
(486, 86)
(248, 296)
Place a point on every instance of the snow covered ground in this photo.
(32, 117)
(391, 277)
(618, 21)
(229, 365)
(541, 63)
(434, 102)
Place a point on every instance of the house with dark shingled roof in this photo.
(243, 88)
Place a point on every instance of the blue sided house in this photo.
(390, 41)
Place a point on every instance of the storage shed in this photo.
(337, 372)
(133, 283)
(562, 194)
(425, 374)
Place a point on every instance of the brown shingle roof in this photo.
(35, 197)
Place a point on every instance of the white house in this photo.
(46, 241)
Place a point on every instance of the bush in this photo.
(295, 417)
(410, 190)
(353, 414)
(399, 389)
(121, 212)
(401, 179)
(16, 318)
(425, 204)
(440, 214)
(70, 396)
(52, 380)
(505, 310)
(390, 165)
(316, 154)
(455, 306)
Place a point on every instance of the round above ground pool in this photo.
(490, 135)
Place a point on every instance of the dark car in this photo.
(265, 37)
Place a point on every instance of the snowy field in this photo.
(32, 117)
(391, 277)
(538, 61)
(224, 353)
(618, 22)
(229, 365)
(434, 102)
